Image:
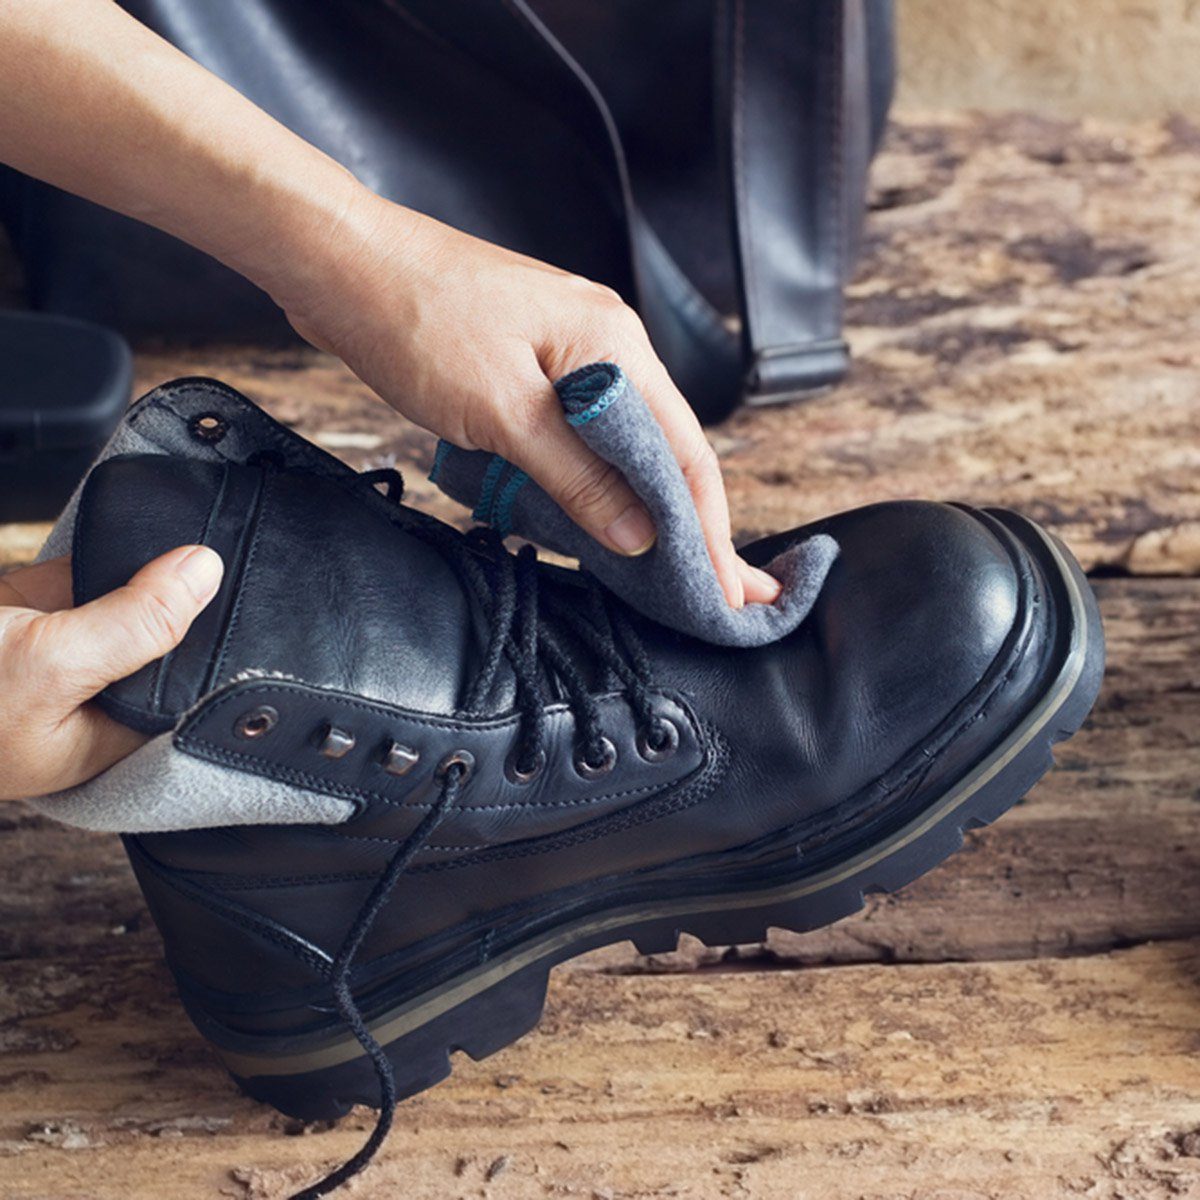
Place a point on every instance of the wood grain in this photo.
(1034, 1080)
(1021, 1024)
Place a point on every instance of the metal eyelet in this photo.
(668, 742)
(257, 722)
(513, 772)
(208, 427)
(608, 760)
(460, 758)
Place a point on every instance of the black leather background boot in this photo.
(531, 769)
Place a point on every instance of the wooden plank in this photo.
(1105, 852)
(1028, 1081)
(19, 544)
(1026, 326)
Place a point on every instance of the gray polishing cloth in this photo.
(159, 787)
(674, 582)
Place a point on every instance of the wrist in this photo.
(284, 244)
(332, 259)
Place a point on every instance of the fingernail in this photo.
(770, 584)
(201, 570)
(632, 533)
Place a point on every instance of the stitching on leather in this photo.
(134, 711)
(238, 562)
(449, 724)
(245, 883)
(244, 574)
(693, 792)
(235, 758)
(203, 747)
(186, 887)
(158, 678)
(687, 792)
(393, 712)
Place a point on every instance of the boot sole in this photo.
(488, 1007)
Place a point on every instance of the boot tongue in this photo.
(321, 585)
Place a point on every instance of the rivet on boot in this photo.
(337, 742)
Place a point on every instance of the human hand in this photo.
(462, 336)
(54, 659)
(465, 338)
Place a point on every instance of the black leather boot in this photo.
(531, 770)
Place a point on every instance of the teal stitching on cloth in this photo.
(491, 478)
(612, 393)
(439, 459)
(506, 500)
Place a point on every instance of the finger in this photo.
(592, 492)
(44, 586)
(702, 471)
(89, 647)
(760, 587)
(86, 743)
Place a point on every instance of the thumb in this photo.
(111, 637)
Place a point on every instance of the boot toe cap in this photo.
(917, 608)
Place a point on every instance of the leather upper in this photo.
(337, 616)
(318, 584)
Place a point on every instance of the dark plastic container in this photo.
(63, 387)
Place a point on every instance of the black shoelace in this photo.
(533, 630)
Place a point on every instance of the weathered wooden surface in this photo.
(1035, 1080)
(1026, 332)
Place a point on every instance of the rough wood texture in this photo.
(1025, 326)
(1037, 1080)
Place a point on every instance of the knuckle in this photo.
(701, 463)
(626, 322)
(594, 291)
(610, 330)
(510, 422)
(608, 297)
(156, 621)
(591, 488)
(479, 429)
(33, 654)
